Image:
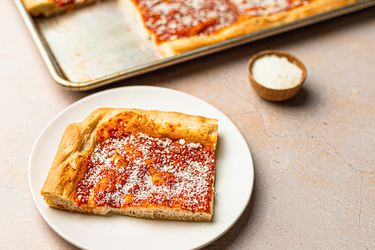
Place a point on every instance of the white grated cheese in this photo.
(169, 20)
(190, 165)
(276, 72)
(181, 141)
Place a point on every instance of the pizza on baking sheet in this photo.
(140, 163)
(177, 26)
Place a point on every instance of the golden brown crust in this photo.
(49, 7)
(252, 24)
(80, 138)
(39, 7)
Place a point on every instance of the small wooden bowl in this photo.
(276, 95)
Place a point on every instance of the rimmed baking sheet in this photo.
(98, 44)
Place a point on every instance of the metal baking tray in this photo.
(97, 45)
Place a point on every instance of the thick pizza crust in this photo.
(251, 24)
(79, 139)
(49, 7)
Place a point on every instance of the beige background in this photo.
(314, 156)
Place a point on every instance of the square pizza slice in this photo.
(51, 7)
(177, 26)
(140, 163)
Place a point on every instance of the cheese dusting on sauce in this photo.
(140, 170)
(173, 19)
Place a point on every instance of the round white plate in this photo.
(234, 178)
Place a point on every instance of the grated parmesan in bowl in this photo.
(276, 75)
(276, 72)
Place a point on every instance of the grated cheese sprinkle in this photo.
(140, 170)
(173, 19)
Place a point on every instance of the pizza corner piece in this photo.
(48, 8)
(141, 163)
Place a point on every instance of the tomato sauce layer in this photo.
(172, 19)
(134, 169)
(63, 3)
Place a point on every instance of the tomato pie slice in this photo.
(140, 163)
(52, 7)
(177, 26)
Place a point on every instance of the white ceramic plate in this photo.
(234, 178)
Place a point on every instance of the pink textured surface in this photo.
(314, 155)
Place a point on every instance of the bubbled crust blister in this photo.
(79, 139)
